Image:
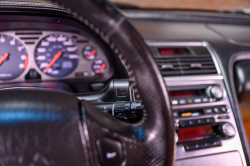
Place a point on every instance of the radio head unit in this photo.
(195, 94)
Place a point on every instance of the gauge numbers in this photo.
(13, 58)
(57, 55)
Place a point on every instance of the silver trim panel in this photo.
(201, 44)
(168, 80)
(231, 144)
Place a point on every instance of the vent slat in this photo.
(204, 63)
(203, 67)
(180, 65)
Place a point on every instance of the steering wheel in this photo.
(52, 127)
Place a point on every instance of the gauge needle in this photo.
(53, 61)
(92, 53)
(101, 68)
(4, 57)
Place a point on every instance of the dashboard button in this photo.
(199, 146)
(223, 117)
(197, 100)
(210, 120)
(183, 101)
(183, 124)
(201, 121)
(174, 102)
(216, 110)
(216, 143)
(205, 100)
(208, 111)
(223, 109)
(192, 122)
(110, 151)
(189, 147)
(190, 101)
(207, 145)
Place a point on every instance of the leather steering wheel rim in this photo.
(149, 142)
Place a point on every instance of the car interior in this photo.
(95, 82)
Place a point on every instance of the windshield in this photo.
(215, 5)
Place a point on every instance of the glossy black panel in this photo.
(242, 77)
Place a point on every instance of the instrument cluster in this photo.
(51, 55)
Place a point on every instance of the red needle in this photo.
(53, 61)
(26, 62)
(4, 57)
(101, 68)
(92, 53)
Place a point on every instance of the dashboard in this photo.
(49, 56)
(189, 75)
(192, 53)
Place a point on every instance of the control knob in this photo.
(228, 130)
(215, 91)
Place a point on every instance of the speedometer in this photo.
(57, 55)
(13, 58)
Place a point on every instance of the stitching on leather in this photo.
(120, 56)
(113, 47)
(104, 37)
(115, 28)
(84, 141)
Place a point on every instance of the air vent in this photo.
(29, 37)
(196, 61)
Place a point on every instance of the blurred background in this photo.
(189, 4)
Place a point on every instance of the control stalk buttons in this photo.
(110, 151)
(228, 130)
(105, 107)
(121, 92)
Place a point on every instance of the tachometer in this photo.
(13, 58)
(57, 55)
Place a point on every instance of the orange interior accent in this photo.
(244, 102)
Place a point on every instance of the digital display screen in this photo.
(185, 93)
(174, 51)
(196, 133)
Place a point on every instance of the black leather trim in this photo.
(151, 141)
(157, 122)
(237, 113)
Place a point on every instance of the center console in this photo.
(206, 132)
